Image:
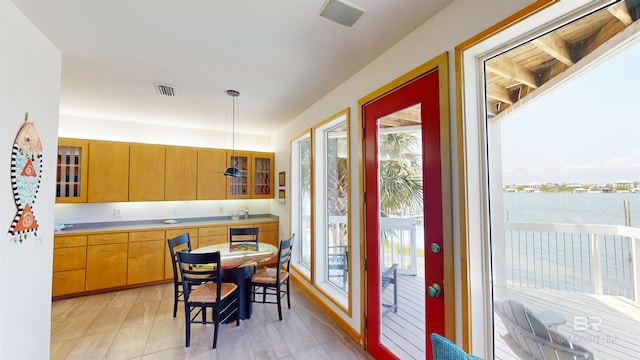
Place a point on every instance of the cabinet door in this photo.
(180, 173)
(145, 261)
(238, 187)
(106, 266)
(269, 235)
(108, 171)
(262, 178)
(211, 181)
(146, 172)
(71, 176)
(70, 258)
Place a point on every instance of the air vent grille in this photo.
(165, 90)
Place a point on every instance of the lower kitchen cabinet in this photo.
(145, 261)
(107, 262)
(69, 262)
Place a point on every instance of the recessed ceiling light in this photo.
(341, 12)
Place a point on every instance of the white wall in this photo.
(453, 25)
(30, 68)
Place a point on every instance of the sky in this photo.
(588, 132)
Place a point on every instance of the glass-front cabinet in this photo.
(71, 176)
(256, 181)
(262, 178)
(238, 187)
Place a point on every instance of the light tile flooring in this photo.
(138, 324)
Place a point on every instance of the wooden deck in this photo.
(403, 332)
(613, 322)
(607, 325)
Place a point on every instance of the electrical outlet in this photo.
(117, 213)
(221, 209)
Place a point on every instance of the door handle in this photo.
(434, 290)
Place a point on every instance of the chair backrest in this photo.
(199, 268)
(179, 243)
(243, 235)
(284, 253)
(443, 349)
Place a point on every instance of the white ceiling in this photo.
(280, 54)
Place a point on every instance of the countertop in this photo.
(160, 225)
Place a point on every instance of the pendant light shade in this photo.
(233, 171)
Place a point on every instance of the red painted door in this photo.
(413, 108)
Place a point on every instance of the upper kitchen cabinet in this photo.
(261, 178)
(181, 172)
(108, 172)
(146, 172)
(239, 187)
(211, 181)
(71, 177)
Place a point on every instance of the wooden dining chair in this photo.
(179, 243)
(243, 235)
(270, 282)
(203, 288)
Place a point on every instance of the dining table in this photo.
(238, 261)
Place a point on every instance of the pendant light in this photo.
(232, 170)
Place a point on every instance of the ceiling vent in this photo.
(165, 90)
(341, 12)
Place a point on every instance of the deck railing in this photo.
(399, 244)
(599, 259)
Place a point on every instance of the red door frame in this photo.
(423, 90)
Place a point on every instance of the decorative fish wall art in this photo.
(26, 173)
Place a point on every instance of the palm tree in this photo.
(400, 175)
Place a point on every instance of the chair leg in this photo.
(175, 299)
(279, 308)
(216, 314)
(187, 319)
(288, 298)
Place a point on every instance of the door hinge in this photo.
(365, 264)
(364, 197)
(365, 322)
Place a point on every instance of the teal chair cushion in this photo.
(443, 349)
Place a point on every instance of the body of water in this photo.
(570, 208)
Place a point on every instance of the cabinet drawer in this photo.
(270, 226)
(69, 241)
(212, 240)
(108, 238)
(193, 232)
(212, 230)
(68, 282)
(146, 235)
(69, 258)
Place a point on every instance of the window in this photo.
(320, 206)
(301, 201)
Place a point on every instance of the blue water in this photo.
(593, 208)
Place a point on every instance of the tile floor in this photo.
(138, 324)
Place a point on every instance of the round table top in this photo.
(240, 254)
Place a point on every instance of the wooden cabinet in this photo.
(111, 260)
(69, 262)
(146, 172)
(181, 171)
(211, 181)
(106, 261)
(261, 178)
(108, 173)
(193, 237)
(71, 174)
(239, 187)
(268, 234)
(145, 258)
(210, 235)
